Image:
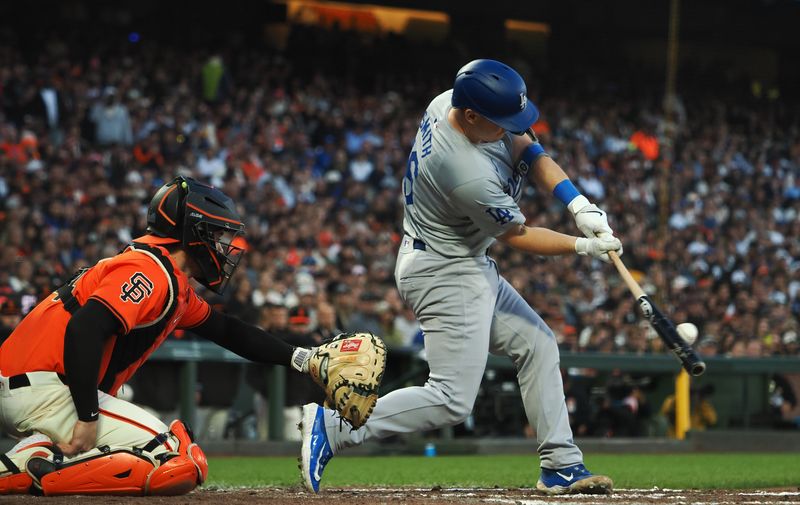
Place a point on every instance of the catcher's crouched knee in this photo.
(122, 470)
(180, 473)
(350, 368)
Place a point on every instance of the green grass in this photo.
(678, 471)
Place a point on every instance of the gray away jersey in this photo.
(458, 196)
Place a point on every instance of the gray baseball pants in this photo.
(466, 309)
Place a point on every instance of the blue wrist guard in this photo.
(565, 191)
(529, 157)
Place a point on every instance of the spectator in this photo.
(317, 164)
(215, 80)
(783, 402)
(111, 120)
(703, 414)
(326, 323)
(10, 315)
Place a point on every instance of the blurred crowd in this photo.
(314, 153)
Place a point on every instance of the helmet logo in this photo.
(523, 101)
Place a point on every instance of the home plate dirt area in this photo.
(435, 496)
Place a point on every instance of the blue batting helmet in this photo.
(497, 92)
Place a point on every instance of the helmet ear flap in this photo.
(165, 216)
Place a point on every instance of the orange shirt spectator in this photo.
(647, 144)
(149, 155)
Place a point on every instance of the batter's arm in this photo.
(535, 240)
(531, 158)
(547, 242)
(543, 170)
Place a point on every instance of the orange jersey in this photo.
(141, 286)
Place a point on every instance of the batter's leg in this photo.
(454, 301)
(519, 333)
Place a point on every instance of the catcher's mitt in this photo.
(350, 368)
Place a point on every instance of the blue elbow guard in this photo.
(566, 191)
(529, 157)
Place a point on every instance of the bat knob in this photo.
(698, 368)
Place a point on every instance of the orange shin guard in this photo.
(119, 473)
(177, 476)
(15, 483)
(182, 473)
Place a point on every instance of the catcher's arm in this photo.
(244, 339)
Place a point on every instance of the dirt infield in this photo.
(437, 497)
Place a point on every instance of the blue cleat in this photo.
(316, 451)
(574, 479)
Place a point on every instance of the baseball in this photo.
(688, 332)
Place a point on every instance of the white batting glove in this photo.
(598, 247)
(591, 220)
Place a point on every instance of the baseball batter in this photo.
(62, 366)
(463, 180)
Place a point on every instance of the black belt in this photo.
(18, 381)
(418, 244)
(22, 381)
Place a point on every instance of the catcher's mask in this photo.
(205, 222)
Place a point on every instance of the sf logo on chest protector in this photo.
(136, 289)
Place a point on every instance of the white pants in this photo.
(45, 408)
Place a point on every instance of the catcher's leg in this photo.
(120, 425)
(519, 333)
(123, 471)
(14, 478)
(182, 472)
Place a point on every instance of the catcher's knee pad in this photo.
(100, 471)
(182, 472)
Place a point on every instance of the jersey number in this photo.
(412, 170)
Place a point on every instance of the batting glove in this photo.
(591, 220)
(599, 246)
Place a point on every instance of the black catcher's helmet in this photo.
(205, 222)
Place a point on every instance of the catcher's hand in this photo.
(350, 368)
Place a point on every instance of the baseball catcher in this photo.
(62, 366)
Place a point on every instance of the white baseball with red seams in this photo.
(688, 332)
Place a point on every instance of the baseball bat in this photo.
(661, 323)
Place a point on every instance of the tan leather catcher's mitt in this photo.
(350, 368)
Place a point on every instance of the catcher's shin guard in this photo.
(182, 472)
(12, 480)
(15, 483)
(13, 477)
(113, 472)
(122, 471)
